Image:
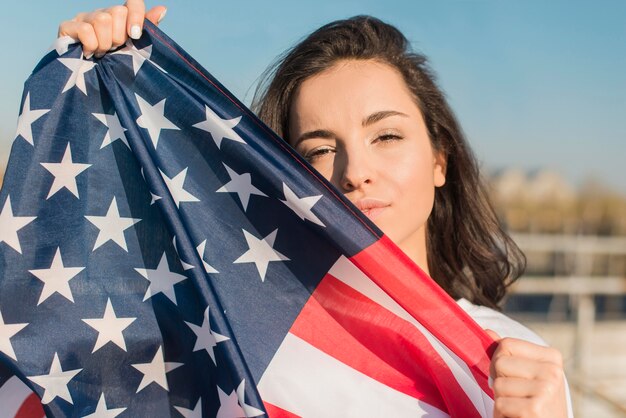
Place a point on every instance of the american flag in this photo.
(164, 253)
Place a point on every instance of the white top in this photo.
(496, 321)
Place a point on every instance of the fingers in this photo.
(136, 13)
(156, 14)
(82, 31)
(104, 29)
(528, 380)
(102, 24)
(119, 16)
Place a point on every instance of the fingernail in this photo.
(490, 382)
(135, 32)
(162, 16)
(99, 55)
(89, 56)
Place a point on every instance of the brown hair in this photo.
(469, 255)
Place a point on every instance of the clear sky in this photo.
(535, 84)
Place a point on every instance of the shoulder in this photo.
(499, 322)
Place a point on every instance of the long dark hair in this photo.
(469, 255)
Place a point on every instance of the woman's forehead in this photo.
(350, 91)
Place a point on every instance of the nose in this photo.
(354, 169)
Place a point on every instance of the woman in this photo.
(365, 111)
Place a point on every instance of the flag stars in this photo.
(302, 206)
(56, 278)
(155, 371)
(206, 338)
(9, 225)
(207, 267)
(162, 280)
(79, 67)
(109, 328)
(175, 186)
(115, 129)
(65, 173)
(102, 411)
(188, 413)
(139, 56)
(261, 252)
(153, 119)
(111, 226)
(7, 331)
(26, 119)
(234, 405)
(240, 184)
(219, 128)
(55, 382)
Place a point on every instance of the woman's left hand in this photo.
(528, 380)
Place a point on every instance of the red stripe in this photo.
(275, 412)
(31, 408)
(357, 331)
(429, 304)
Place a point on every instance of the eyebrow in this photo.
(378, 116)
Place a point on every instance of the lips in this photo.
(372, 208)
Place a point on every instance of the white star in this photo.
(115, 131)
(6, 332)
(188, 413)
(207, 267)
(219, 128)
(153, 119)
(111, 226)
(9, 225)
(79, 67)
(103, 412)
(26, 119)
(139, 55)
(154, 198)
(234, 405)
(261, 252)
(55, 382)
(109, 328)
(155, 371)
(240, 184)
(62, 44)
(162, 280)
(186, 266)
(56, 278)
(206, 338)
(175, 186)
(301, 206)
(65, 173)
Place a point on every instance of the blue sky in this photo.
(535, 84)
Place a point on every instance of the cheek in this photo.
(414, 186)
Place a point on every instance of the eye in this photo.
(317, 153)
(388, 137)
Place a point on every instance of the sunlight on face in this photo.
(358, 124)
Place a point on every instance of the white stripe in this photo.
(310, 383)
(12, 395)
(345, 271)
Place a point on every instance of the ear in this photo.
(439, 168)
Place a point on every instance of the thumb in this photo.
(156, 14)
(493, 334)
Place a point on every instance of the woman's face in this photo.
(359, 126)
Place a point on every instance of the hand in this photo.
(105, 29)
(528, 380)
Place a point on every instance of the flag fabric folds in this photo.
(164, 253)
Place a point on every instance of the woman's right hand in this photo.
(105, 29)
